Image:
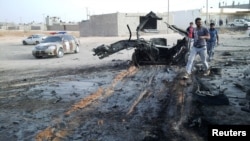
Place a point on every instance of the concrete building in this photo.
(56, 24)
(115, 24)
(52, 20)
(182, 18)
(234, 4)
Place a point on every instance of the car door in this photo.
(66, 46)
(29, 40)
(237, 23)
(72, 43)
(241, 23)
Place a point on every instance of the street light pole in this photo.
(207, 12)
(168, 16)
(44, 21)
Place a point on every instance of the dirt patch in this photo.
(79, 97)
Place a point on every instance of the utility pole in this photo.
(168, 16)
(207, 12)
(44, 22)
(87, 13)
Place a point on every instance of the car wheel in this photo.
(60, 53)
(37, 42)
(77, 50)
(24, 43)
(38, 57)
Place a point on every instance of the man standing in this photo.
(190, 31)
(214, 38)
(220, 22)
(201, 34)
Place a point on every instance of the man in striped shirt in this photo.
(201, 34)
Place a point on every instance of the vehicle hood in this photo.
(177, 29)
(45, 45)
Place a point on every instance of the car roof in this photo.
(38, 34)
(60, 35)
(59, 32)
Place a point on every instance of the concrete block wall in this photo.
(55, 28)
(105, 25)
(183, 18)
(100, 25)
(116, 24)
(133, 20)
(125, 19)
(161, 25)
(85, 29)
(61, 27)
(35, 28)
(72, 27)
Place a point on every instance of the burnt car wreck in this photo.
(149, 52)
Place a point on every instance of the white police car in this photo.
(56, 45)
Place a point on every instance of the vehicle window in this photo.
(248, 20)
(52, 39)
(70, 37)
(67, 37)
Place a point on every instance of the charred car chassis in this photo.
(152, 52)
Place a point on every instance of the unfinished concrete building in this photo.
(115, 24)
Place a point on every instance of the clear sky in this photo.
(24, 11)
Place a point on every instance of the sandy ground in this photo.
(82, 98)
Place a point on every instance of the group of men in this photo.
(202, 43)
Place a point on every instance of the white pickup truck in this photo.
(239, 22)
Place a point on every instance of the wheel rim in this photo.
(77, 49)
(60, 53)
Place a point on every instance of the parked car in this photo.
(34, 39)
(239, 22)
(248, 32)
(56, 45)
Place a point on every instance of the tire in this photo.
(37, 42)
(77, 50)
(60, 53)
(24, 43)
(232, 25)
(38, 57)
